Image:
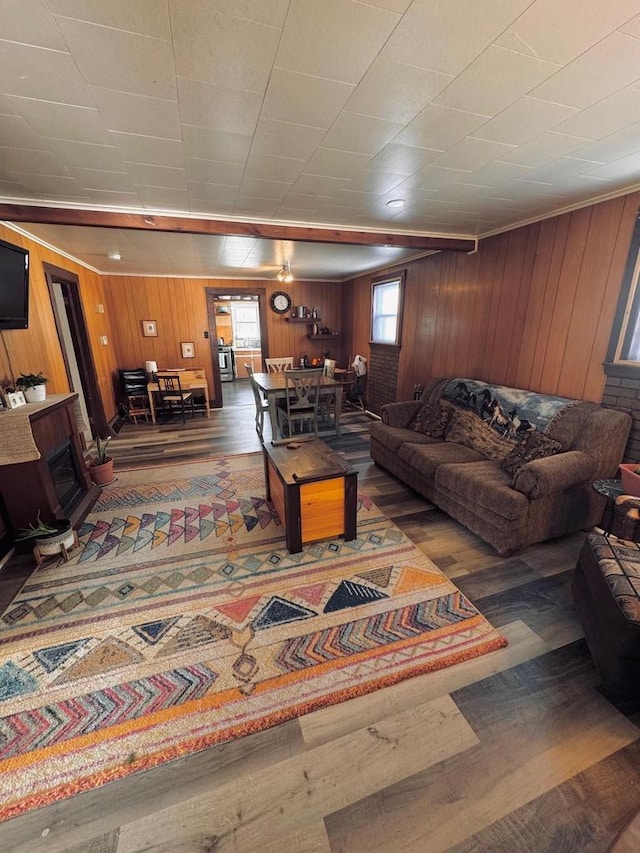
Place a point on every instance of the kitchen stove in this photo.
(226, 362)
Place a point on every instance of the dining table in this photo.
(273, 386)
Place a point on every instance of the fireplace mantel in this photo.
(31, 437)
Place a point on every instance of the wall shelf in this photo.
(317, 337)
(308, 320)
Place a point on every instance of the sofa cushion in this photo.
(432, 419)
(533, 445)
(471, 430)
(425, 458)
(394, 437)
(483, 484)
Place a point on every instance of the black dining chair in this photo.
(172, 394)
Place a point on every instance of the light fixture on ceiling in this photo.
(396, 202)
(115, 256)
(285, 273)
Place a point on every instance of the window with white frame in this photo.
(386, 308)
(624, 346)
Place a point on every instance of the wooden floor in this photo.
(515, 751)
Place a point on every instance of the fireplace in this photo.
(65, 476)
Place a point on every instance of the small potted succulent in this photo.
(49, 536)
(33, 386)
(101, 466)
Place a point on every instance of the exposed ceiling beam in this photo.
(225, 228)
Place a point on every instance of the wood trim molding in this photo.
(216, 227)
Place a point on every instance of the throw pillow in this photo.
(432, 419)
(471, 430)
(532, 445)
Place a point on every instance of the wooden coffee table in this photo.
(313, 490)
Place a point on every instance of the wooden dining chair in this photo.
(327, 401)
(171, 394)
(300, 405)
(262, 405)
(279, 365)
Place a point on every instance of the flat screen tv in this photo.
(14, 287)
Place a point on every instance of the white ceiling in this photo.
(481, 114)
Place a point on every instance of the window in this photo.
(386, 306)
(624, 346)
(245, 317)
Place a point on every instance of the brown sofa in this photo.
(463, 473)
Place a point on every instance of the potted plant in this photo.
(101, 466)
(33, 386)
(49, 536)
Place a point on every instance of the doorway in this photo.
(64, 292)
(227, 334)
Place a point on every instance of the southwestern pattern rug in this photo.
(182, 621)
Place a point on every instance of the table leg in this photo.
(152, 406)
(337, 408)
(273, 416)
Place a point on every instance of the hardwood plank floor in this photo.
(514, 751)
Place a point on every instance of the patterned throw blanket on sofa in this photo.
(509, 411)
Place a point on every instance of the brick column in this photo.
(382, 381)
(624, 393)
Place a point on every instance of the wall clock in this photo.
(280, 302)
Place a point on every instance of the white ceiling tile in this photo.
(147, 17)
(96, 179)
(544, 148)
(28, 160)
(251, 206)
(214, 107)
(274, 168)
(272, 12)
(259, 188)
(164, 198)
(496, 173)
(318, 185)
(561, 171)
(128, 113)
(609, 115)
(337, 164)
(577, 26)
(209, 144)
(49, 75)
(375, 181)
(494, 80)
(302, 202)
(51, 185)
(449, 36)
(402, 159)
(523, 120)
(148, 149)
(439, 127)
(626, 169)
(284, 139)
(63, 121)
(127, 62)
(30, 22)
(359, 133)
(335, 39)
(239, 57)
(305, 100)
(113, 198)
(612, 147)
(156, 176)
(432, 178)
(400, 6)
(86, 155)
(395, 91)
(471, 153)
(212, 193)
(16, 133)
(212, 171)
(609, 65)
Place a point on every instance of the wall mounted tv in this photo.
(14, 287)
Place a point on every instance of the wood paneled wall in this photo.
(37, 348)
(532, 308)
(178, 305)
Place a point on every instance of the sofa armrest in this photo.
(551, 474)
(400, 414)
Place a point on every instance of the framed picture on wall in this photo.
(149, 329)
(188, 349)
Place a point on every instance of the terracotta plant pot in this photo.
(102, 475)
(51, 543)
(630, 480)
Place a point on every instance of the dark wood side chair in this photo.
(172, 394)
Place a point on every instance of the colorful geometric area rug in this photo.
(183, 621)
